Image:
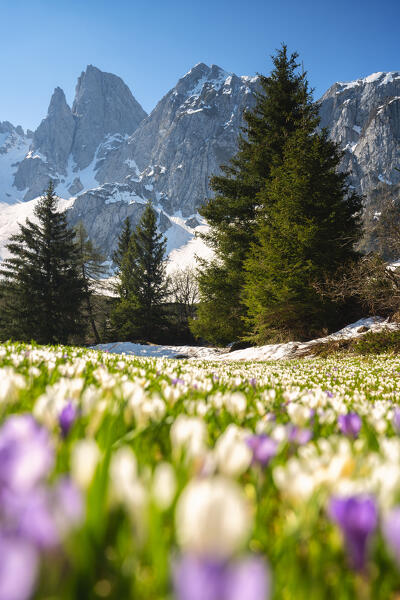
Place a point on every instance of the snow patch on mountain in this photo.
(14, 145)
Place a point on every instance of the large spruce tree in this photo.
(139, 313)
(283, 104)
(306, 232)
(41, 289)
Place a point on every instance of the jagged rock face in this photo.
(364, 117)
(190, 133)
(68, 141)
(103, 106)
(51, 146)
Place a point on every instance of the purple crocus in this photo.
(197, 578)
(26, 453)
(18, 568)
(391, 532)
(396, 419)
(264, 448)
(298, 435)
(68, 505)
(67, 418)
(357, 517)
(350, 424)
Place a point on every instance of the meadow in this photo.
(125, 477)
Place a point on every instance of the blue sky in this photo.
(45, 43)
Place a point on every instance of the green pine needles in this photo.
(139, 313)
(282, 218)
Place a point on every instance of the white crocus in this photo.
(164, 485)
(189, 434)
(212, 517)
(233, 456)
(85, 456)
(236, 404)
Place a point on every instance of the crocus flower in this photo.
(350, 424)
(396, 419)
(264, 448)
(298, 435)
(391, 532)
(197, 578)
(68, 506)
(67, 418)
(357, 517)
(18, 568)
(26, 454)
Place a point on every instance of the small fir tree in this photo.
(139, 313)
(41, 285)
(283, 103)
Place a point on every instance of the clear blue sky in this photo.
(45, 43)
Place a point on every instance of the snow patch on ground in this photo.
(129, 348)
(298, 349)
(260, 353)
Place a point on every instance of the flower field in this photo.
(191, 480)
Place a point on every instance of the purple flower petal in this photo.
(350, 424)
(264, 448)
(197, 578)
(67, 418)
(26, 454)
(68, 504)
(298, 435)
(391, 532)
(396, 420)
(357, 517)
(247, 579)
(18, 569)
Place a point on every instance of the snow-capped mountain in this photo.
(107, 157)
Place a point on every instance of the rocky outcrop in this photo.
(68, 141)
(103, 106)
(191, 132)
(364, 117)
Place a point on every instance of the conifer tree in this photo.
(283, 103)
(123, 243)
(41, 285)
(91, 264)
(139, 313)
(307, 231)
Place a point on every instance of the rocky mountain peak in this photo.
(103, 105)
(200, 77)
(58, 103)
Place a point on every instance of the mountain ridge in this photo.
(109, 157)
